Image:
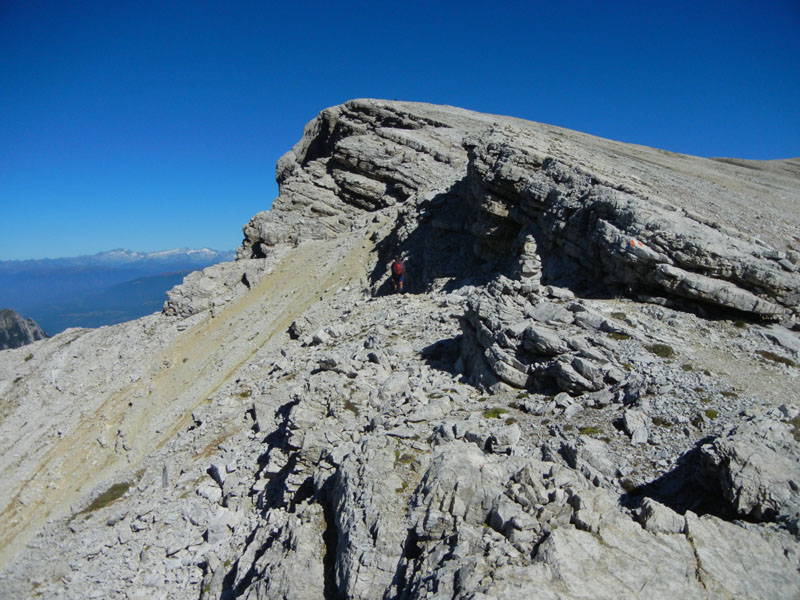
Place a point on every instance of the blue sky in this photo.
(151, 125)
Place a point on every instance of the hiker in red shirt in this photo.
(398, 274)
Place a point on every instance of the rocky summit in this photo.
(589, 389)
(16, 331)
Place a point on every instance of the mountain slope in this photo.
(553, 408)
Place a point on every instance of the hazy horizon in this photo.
(130, 250)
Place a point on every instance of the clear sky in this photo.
(156, 124)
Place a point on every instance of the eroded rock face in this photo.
(214, 286)
(600, 235)
(354, 159)
(475, 196)
(515, 204)
(757, 465)
(16, 331)
(552, 411)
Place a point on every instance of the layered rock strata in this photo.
(518, 192)
(551, 410)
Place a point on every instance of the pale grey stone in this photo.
(657, 518)
(636, 425)
(504, 439)
(758, 467)
(784, 338)
(696, 286)
(541, 340)
(394, 386)
(549, 312)
(719, 563)
(372, 489)
(320, 337)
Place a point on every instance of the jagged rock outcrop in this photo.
(509, 188)
(16, 331)
(591, 391)
(505, 198)
(757, 467)
(217, 285)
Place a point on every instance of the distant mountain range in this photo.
(120, 257)
(99, 289)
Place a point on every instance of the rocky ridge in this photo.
(16, 331)
(592, 390)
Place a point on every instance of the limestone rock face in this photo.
(590, 388)
(518, 192)
(15, 331)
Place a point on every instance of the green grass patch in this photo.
(614, 335)
(112, 494)
(661, 350)
(730, 394)
(795, 423)
(661, 421)
(510, 421)
(629, 486)
(627, 366)
(494, 413)
(589, 430)
(711, 413)
(523, 395)
(706, 399)
(27, 358)
(403, 458)
(740, 325)
(777, 358)
(619, 315)
(698, 421)
(245, 393)
(687, 367)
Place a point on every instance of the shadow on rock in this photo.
(443, 355)
(434, 241)
(689, 486)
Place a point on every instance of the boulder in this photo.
(757, 466)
